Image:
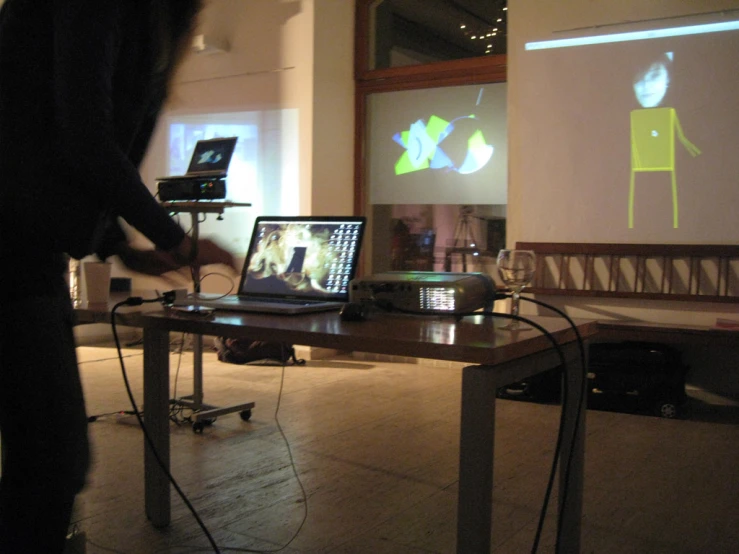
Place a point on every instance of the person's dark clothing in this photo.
(79, 96)
(43, 422)
(81, 85)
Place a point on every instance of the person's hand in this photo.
(185, 254)
(148, 262)
(202, 252)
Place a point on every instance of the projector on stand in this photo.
(192, 189)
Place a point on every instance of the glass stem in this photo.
(514, 302)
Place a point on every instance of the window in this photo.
(431, 124)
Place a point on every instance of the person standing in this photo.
(81, 85)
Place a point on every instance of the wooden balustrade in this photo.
(707, 273)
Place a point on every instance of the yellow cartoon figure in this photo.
(653, 131)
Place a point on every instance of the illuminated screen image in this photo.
(444, 145)
(315, 259)
(632, 136)
(458, 145)
(653, 131)
(212, 155)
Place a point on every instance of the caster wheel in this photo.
(197, 427)
(245, 415)
(667, 409)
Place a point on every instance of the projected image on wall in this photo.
(630, 135)
(444, 145)
(456, 145)
(653, 131)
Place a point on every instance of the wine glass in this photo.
(516, 269)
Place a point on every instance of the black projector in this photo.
(192, 189)
(425, 291)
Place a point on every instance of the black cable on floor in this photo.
(563, 410)
(580, 402)
(137, 301)
(295, 473)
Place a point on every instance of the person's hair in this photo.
(172, 27)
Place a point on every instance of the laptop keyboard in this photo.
(290, 301)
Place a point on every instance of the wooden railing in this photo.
(708, 273)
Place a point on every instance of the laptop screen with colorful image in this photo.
(302, 257)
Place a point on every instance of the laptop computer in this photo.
(210, 159)
(294, 265)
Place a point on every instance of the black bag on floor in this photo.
(245, 351)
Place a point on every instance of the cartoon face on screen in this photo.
(298, 255)
(650, 85)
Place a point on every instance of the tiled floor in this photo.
(375, 445)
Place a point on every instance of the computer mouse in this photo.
(353, 311)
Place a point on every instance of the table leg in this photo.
(572, 467)
(477, 438)
(197, 372)
(156, 421)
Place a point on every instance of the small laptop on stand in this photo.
(210, 160)
(294, 265)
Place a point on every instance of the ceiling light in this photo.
(463, 26)
(505, 9)
(499, 20)
(473, 36)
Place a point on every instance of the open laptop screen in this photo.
(305, 257)
(212, 155)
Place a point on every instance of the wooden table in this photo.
(89, 314)
(668, 333)
(500, 357)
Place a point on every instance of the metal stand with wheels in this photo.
(203, 414)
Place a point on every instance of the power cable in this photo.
(137, 301)
(580, 403)
(565, 400)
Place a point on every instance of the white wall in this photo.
(332, 126)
